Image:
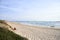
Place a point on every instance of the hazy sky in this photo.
(31, 10)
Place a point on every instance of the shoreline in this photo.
(34, 24)
(40, 26)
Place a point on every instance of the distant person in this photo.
(14, 28)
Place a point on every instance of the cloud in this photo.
(30, 10)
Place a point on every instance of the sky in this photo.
(30, 10)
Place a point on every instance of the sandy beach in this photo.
(34, 32)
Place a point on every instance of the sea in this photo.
(55, 24)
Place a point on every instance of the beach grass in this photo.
(9, 35)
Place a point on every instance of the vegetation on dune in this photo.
(6, 34)
(3, 24)
(9, 35)
(2, 21)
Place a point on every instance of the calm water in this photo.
(44, 23)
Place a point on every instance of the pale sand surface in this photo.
(36, 33)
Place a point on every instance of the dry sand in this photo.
(36, 33)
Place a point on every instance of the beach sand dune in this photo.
(35, 33)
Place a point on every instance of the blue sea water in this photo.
(44, 23)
